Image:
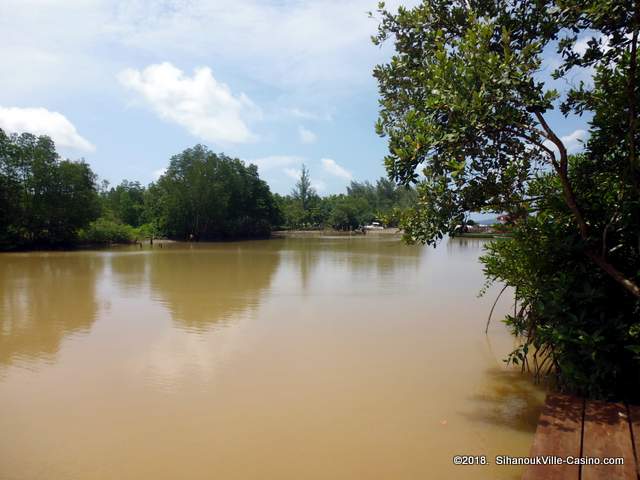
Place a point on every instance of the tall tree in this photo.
(45, 200)
(303, 191)
(466, 113)
(205, 196)
(462, 101)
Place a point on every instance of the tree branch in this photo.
(539, 144)
(564, 158)
(570, 199)
(562, 170)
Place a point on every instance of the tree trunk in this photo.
(562, 169)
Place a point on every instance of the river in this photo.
(294, 358)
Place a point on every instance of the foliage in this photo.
(445, 110)
(202, 196)
(303, 192)
(125, 202)
(43, 200)
(146, 231)
(154, 208)
(363, 203)
(463, 107)
(205, 196)
(350, 213)
(575, 319)
(106, 231)
(304, 208)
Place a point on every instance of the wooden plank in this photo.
(634, 420)
(559, 433)
(607, 434)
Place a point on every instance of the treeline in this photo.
(49, 202)
(43, 200)
(362, 204)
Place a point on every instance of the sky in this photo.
(279, 83)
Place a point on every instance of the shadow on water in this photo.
(43, 299)
(510, 399)
(207, 283)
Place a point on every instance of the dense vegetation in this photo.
(204, 196)
(44, 201)
(362, 204)
(464, 104)
(48, 202)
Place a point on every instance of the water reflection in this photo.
(207, 283)
(377, 256)
(303, 254)
(322, 339)
(44, 298)
(457, 244)
(131, 268)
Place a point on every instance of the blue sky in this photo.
(127, 84)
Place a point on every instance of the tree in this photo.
(461, 97)
(74, 203)
(350, 213)
(11, 213)
(126, 202)
(466, 115)
(303, 191)
(45, 200)
(207, 196)
(385, 201)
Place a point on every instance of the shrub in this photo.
(573, 320)
(104, 231)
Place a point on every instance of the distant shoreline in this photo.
(346, 233)
(274, 235)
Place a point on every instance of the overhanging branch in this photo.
(562, 170)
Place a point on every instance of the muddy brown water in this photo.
(312, 358)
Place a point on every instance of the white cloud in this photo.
(158, 173)
(306, 115)
(330, 166)
(318, 185)
(581, 45)
(574, 141)
(47, 48)
(205, 107)
(315, 52)
(41, 121)
(306, 136)
(314, 44)
(276, 161)
(292, 173)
